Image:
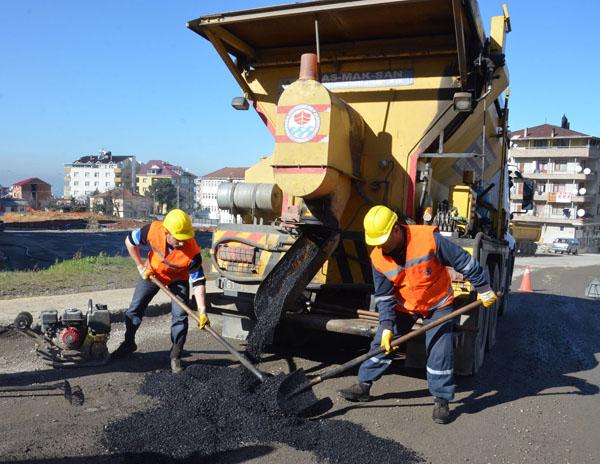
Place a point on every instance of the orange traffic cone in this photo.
(526, 282)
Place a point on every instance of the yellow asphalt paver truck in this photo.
(393, 102)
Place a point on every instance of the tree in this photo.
(163, 192)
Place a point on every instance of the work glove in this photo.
(145, 272)
(202, 320)
(487, 298)
(386, 340)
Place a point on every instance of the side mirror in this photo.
(240, 103)
(528, 192)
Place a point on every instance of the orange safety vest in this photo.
(423, 283)
(175, 266)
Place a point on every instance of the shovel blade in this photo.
(294, 401)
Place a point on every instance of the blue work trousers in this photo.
(440, 353)
(143, 294)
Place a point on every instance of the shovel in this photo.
(294, 392)
(242, 359)
(73, 395)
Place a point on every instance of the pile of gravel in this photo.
(207, 410)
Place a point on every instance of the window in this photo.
(76, 182)
(87, 174)
(75, 173)
(106, 184)
(540, 143)
(96, 174)
(95, 183)
(560, 166)
(561, 142)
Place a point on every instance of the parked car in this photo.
(565, 245)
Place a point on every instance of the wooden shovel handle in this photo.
(241, 358)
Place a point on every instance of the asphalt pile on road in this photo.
(206, 411)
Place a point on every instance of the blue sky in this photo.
(128, 76)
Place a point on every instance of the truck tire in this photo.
(470, 349)
(492, 312)
(506, 287)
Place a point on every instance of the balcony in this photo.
(558, 175)
(67, 178)
(551, 219)
(554, 152)
(553, 199)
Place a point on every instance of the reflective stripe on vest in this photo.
(175, 266)
(423, 283)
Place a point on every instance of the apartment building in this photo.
(181, 178)
(96, 174)
(564, 165)
(206, 193)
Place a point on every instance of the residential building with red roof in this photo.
(564, 165)
(181, 178)
(33, 190)
(206, 193)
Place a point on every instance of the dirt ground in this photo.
(534, 401)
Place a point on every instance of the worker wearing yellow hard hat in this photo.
(411, 281)
(175, 260)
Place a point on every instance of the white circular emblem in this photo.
(302, 123)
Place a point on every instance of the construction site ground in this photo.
(535, 399)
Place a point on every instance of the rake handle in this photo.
(396, 342)
(242, 359)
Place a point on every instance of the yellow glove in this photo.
(202, 320)
(145, 272)
(386, 340)
(487, 298)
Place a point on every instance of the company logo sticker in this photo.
(302, 123)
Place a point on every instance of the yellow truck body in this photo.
(405, 109)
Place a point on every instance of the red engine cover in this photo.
(71, 338)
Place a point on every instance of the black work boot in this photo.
(176, 366)
(175, 355)
(441, 412)
(124, 349)
(357, 392)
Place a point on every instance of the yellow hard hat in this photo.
(379, 223)
(179, 224)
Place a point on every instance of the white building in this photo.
(206, 193)
(564, 165)
(97, 174)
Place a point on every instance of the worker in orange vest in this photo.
(175, 260)
(411, 281)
